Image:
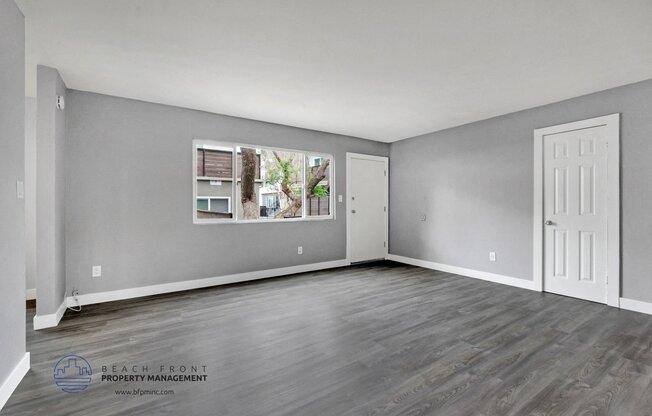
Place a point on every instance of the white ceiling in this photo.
(377, 69)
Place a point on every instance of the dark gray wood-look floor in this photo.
(376, 339)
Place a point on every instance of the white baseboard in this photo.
(491, 277)
(10, 384)
(50, 320)
(30, 294)
(636, 305)
(136, 292)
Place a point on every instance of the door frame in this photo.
(385, 160)
(612, 124)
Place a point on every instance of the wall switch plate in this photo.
(492, 256)
(20, 190)
(300, 250)
(339, 198)
(97, 271)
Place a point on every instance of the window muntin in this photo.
(280, 184)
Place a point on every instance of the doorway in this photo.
(367, 207)
(577, 209)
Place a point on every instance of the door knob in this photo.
(549, 222)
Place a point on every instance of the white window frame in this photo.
(234, 182)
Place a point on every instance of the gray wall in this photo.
(30, 191)
(12, 169)
(474, 183)
(140, 238)
(50, 192)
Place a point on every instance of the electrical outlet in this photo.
(423, 217)
(492, 256)
(339, 198)
(97, 271)
(300, 250)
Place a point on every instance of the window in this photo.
(213, 182)
(276, 191)
(318, 197)
(267, 184)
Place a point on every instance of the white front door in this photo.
(367, 207)
(575, 213)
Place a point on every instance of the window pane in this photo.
(202, 204)
(270, 184)
(214, 162)
(318, 185)
(219, 205)
(214, 179)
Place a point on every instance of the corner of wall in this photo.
(14, 361)
(51, 135)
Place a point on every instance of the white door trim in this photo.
(612, 124)
(383, 159)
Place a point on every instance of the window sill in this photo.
(197, 221)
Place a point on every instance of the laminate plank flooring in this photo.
(373, 339)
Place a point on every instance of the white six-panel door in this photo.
(575, 213)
